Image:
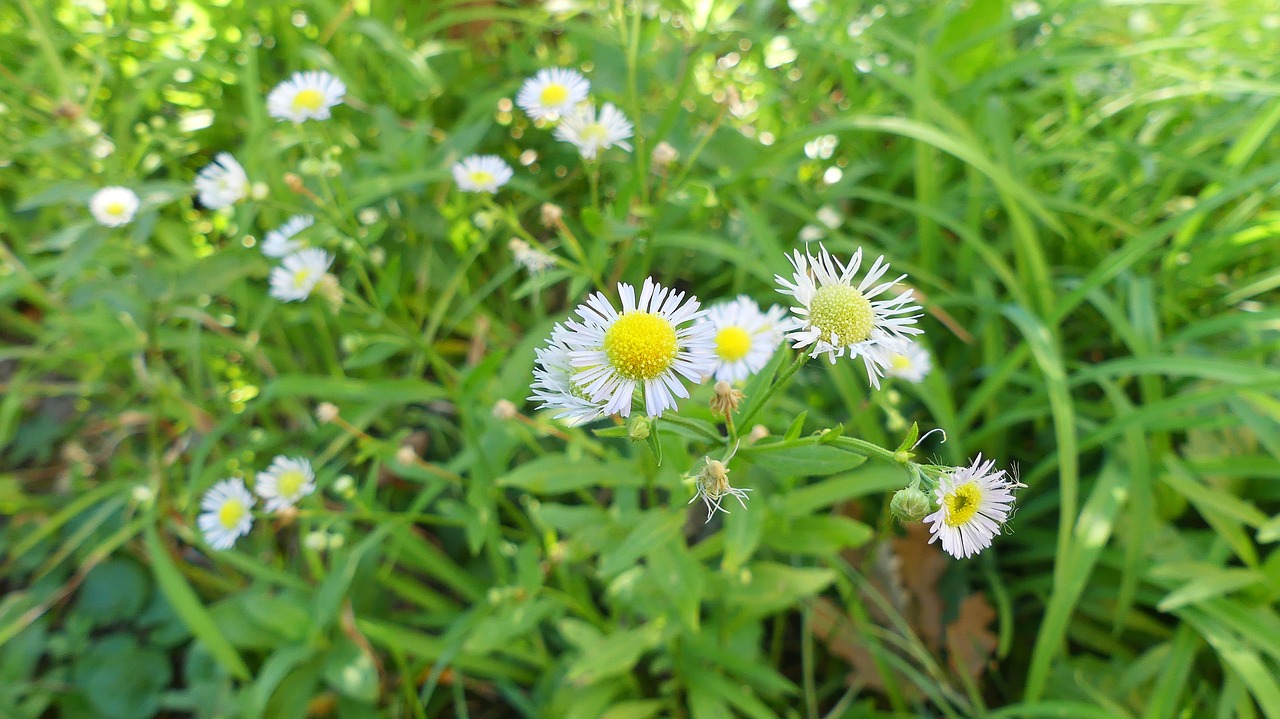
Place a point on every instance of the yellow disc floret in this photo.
(290, 482)
(481, 178)
(553, 95)
(900, 361)
(595, 132)
(308, 100)
(841, 314)
(962, 503)
(115, 208)
(300, 278)
(732, 343)
(231, 512)
(640, 345)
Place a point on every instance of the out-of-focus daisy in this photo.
(227, 515)
(279, 242)
(745, 337)
(114, 206)
(835, 316)
(556, 384)
(552, 93)
(481, 173)
(593, 133)
(973, 504)
(531, 258)
(650, 344)
(306, 96)
(713, 485)
(222, 183)
(907, 360)
(298, 274)
(286, 481)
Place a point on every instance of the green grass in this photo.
(1084, 197)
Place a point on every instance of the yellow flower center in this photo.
(300, 278)
(308, 100)
(841, 314)
(115, 208)
(290, 482)
(553, 95)
(595, 132)
(640, 345)
(232, 511)
(480, 178)
(900, 362)
(962, 504)
(732, 343)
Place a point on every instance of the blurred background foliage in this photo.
(1084, 192)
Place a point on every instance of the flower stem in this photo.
(776, 385)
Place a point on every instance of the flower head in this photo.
(973, 503)
(298, 274)
(745, 337)
(305, 96)
(713, 484)
(222, 183)
(836, 316)
(650, 344)
(907, 359)
(286, 481)
(279, 242)
(114, 206)
(552, 92)
(593, 133)
(725, 398)
(481, 173)
(226, 515)
(531, 258)
(556, 384)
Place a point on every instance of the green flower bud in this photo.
(910, 504)
(638, 428)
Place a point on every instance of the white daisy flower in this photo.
(305, 96)
(973, 504)
(907, 360)
(592, 133)
(299, 274)
(650, 344)
(222, 183)
(286, 481)
(226, 515)
(745, 337)
(555, 382)
(481, 173)
(836, 316)
(551, 93)
(532, 259)
(114, 206)
(279, 242)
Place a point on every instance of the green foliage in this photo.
(1081, 191)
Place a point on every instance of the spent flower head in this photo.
(712, 484)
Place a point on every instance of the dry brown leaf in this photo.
(922, 565)
(970, 643)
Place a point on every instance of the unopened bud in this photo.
(345, 487)
(638, 428)
(551, 215)
(326, 412)
(378, 256)
(504, 409)
(910, 504)
(726, 398)
(294, 183)
(259, 191)
(143, 495)
(664, 154)
(406, 456)
(310, 167)
(337, 540)
(331, 291)
(758, 433)
(316, 541)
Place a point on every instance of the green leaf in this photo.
(557, 474)
(115, 590)
(654, 527)
(1213, 584)
(601, 656)
(351, 672)
(801, 460)
(770, 587)
(121, 679)
(822, 535)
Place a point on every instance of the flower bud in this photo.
(326, 412)
(294, 183)
(259, 191)
(551, 215)
(664, 154)
(316, 541)
(638, 428)
(758, 433)
(345, 487)
(910, 504)
(504, 409)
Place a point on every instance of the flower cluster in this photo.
(228, 506)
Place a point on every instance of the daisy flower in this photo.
(551, 93)
(279, 242)
(226, 515)
(305, 96)
(222, 183)
(592, 133)
(973, 503)
(555, 382)
(745, 337)
(836, 316)
(114, 206)
(907, 360)
(299, 274)
(649, 345)
(481, 173)
(286, 481)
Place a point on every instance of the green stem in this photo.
(776, 385)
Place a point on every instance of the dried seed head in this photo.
(726, 398)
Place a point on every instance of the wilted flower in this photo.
(725, 399)
(531, 258)
(713, 485)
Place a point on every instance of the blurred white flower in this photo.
(114, 206)
(298, 274)
(531, 258)
(552, 93)
(306, 96)
(829, 216)
(591, 132)
(279, 242)
(907, 359)
(821, 147)
(286, 481)
(481, 173)
(222, 183)
(226, 515)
